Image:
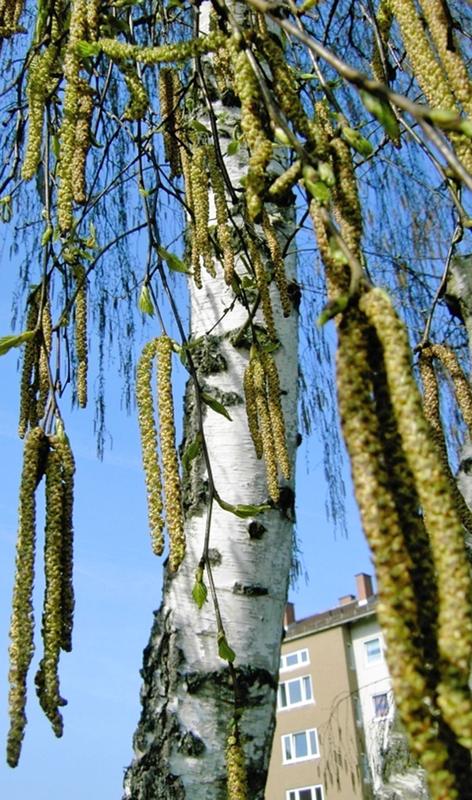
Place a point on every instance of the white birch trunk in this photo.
(187, 699)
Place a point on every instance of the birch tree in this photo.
(358, 114)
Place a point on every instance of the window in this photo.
(300, 746)
(295, 692)
(293, 660)
(307, 793)
(381, 705)
(373, 651)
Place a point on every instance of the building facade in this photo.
(334, 703)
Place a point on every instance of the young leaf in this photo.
(233, 147)
(358, 142)
(172, 261)
(7, 342)
(199, 593)
(333, 308)
(318, 190)
(382, 110)
(215, 405)
(241, 510)
(224, 650)
(192, 451)
(145, 303)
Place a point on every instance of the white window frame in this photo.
(310, 754)
(366, 655)
(304, 701)
(387, 700)
(300, 662)
(313, 790)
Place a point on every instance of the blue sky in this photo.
(118, 585)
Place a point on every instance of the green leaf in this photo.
(333, 308)
(215, 405)
(358, 142)
(172, 261)
(199, 593)
(318, 190)
(326, 173)
(336, 252)
(241, 510)
(224, 650)
(199, 126)
(87, 49)
(145, 304)
(47, 235)
(382, 110)
(192, 451)
(466, 127)
(233, 147)
(7, 342)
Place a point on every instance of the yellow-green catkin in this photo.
(170, 53)
(398, 612)
(195, 255)
(430, 73)
(224, 231)
(236, 780)
(441, 518)
(461, 385)
(170, 463)
(81, 345)
(22, 619)
(432, 412)
(384, 19)
(201, 209)
(43, 368)
(262, 281)
(277, 264)
(170, 116)
(276, 414)
(284, 182)
(39, 85)
(10, 12)
(30, 364)
(251, 408)
(138, 103)
(253, 125)
(265, 427)
(47, 678)
(70, 166)
(443, 35)
(147, 427)
(63, 448)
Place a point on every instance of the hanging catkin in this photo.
(202, 248)
(461, 385)
(222, 217)
(397, 606)
(43, 366)
(10, 12)
(170, 116)
(63, 448)
(251, 407)
(47, 678)
(263, 281)
(442, 522)
(265, 427)
(431, 406)
(22, 620)
(81, 346)
(275, 413)
(30, 363)
(277, 264)
(236, 786)
(170, 464)
(147, 427)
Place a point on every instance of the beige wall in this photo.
(337, 767)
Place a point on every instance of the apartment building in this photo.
(334, 703)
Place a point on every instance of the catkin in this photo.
(251, 408)
(170, 464)
(201, 208)
(442, 522)
(63, 448)
(22, 619)
(265, 428)
(431, 406)
(461, 385)
(147, 427)
(81, 347)
(277, 264)
(224, 231)
(30, 363)
(43, 366)
(397, 604)
(10, 12)
(170, 116)
(47, 679)
(276, 414)
(39, 84)
(262, 281)
(235, 768)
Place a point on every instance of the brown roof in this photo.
(341, 615)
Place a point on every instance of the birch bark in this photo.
(187, 693)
